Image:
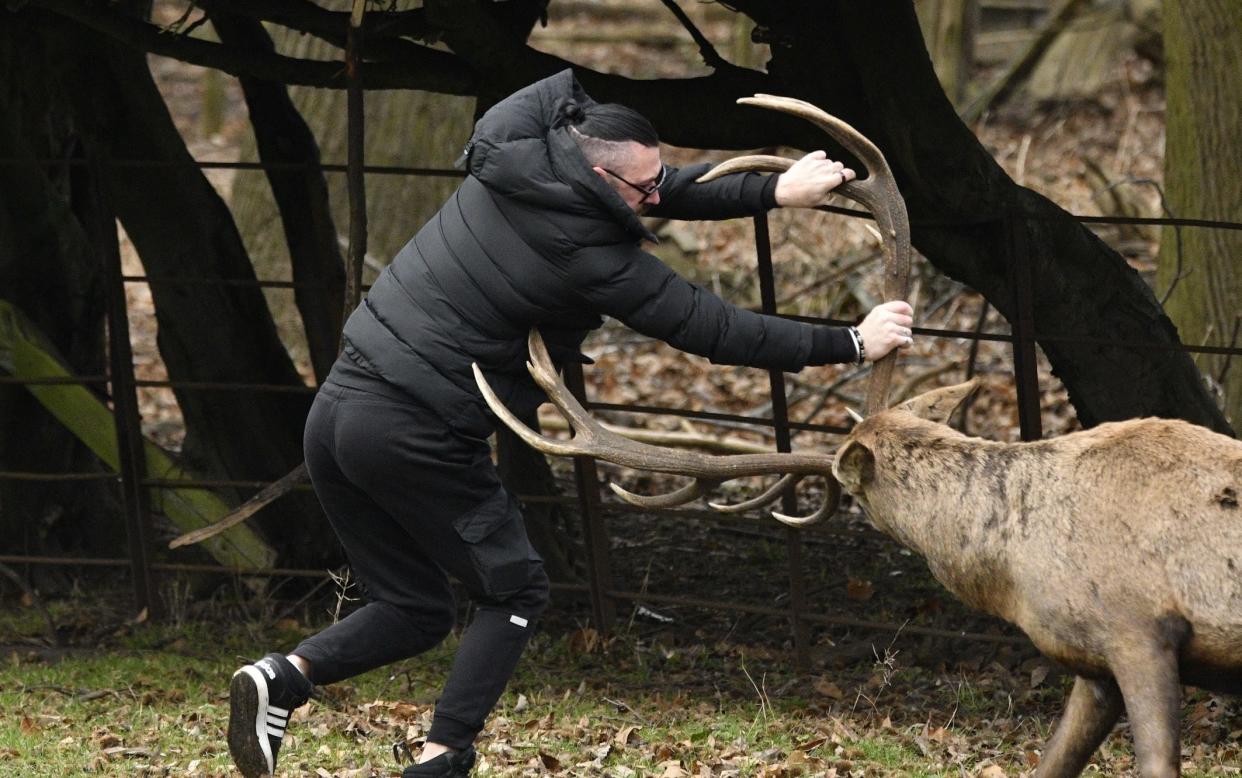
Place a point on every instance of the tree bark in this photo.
(1203, 178)
(961, 203)
(415, 129)
(207, 331)
(310, 234)
(47, 269)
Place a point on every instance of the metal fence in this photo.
(599, 586)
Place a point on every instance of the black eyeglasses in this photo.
(647, 190)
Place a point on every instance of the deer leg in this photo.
(1090, 713)
(1148, 677)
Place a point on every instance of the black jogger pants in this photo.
(414, 501)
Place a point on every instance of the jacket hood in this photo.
(521, 148)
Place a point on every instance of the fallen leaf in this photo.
(1038, 675)
(672, 769)
(859, 590)
(622, 738)
(827, 688)
(584, 640)
(106, 740)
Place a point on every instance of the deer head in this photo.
(878, 194)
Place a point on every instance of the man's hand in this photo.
(887, 327)
(809, 180)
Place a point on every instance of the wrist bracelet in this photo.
(858, 343)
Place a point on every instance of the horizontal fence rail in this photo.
(600, 588)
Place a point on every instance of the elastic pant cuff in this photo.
(451, 733)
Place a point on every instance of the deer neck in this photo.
(949, 498)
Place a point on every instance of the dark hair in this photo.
(603, 130)
(612, 122)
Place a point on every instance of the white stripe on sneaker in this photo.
(278, 711)
(276, 721)
(274, 732)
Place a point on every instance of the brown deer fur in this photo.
(1118, 550)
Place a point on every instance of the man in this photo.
(544, 231)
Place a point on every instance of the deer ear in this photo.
(854, 466)
(939, 404)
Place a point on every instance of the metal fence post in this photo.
(1025, 363)
(594, 525)
(355, 160)
(780, 423)
(129, 441)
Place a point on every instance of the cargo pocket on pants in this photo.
(495, 538)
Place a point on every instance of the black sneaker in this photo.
(456, 764)
(262, 696)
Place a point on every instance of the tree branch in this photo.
(421, 68)
(506, 64)
(305, 16)
(711, 57)
(383, 43)
(488, 61)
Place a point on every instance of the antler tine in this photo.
(758, 163)
(544, 372)
(769, 494)
(532, 438)
(826, 509)
(691, 491)
(878, 193)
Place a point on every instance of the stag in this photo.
(1118, 550)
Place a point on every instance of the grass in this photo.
(151, 699)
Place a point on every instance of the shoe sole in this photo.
(248, 742)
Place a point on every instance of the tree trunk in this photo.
(1203, 178)
(414, 129)
(207, 331)
(961, 207)
(47, 269)
(301, 196)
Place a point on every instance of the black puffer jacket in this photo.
(533, 237)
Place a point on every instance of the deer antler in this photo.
(877, 193)
(708, 470)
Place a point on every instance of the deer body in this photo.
(1118, 550)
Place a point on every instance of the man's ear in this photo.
(939, 404)
(854, 466)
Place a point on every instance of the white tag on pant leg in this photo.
(518, 620)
